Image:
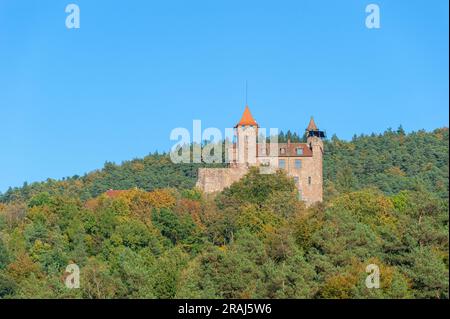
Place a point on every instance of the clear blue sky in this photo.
(115, 88)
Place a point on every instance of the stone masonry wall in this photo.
(212, 180)
(309, 177)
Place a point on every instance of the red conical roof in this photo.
(247, 118)
(312, 126)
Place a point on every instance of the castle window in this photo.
(309, 180)
(299, 151)
(282, 150)
(298, 163)
(296, 180)
(281, 163)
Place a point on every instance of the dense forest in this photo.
(386, 203)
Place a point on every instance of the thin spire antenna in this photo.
(246, 93)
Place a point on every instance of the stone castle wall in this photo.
(309, 177)
(310, 183)
(212, 180)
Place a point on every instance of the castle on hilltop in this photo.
(302, 161)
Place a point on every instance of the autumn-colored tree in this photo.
(141, 230)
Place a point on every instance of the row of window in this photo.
(282, 163)
(296, 179)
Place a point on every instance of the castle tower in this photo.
(246, 132)
(315, 143)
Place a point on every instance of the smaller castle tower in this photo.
(247, 133)
(314, 138)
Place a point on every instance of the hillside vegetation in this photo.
(392, 161)
(386, 203)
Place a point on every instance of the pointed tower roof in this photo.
(312, 125)
(247, 118)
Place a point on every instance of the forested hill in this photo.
(386, 205)
(391, 162)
